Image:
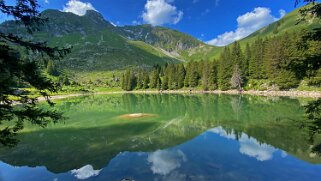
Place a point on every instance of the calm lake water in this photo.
(181, 137)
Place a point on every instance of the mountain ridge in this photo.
(112, 48)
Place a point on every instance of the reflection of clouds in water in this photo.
(284, 154)
(220, 131)
(248, 146)
(85, 172)
(165, 161)
(252, 148)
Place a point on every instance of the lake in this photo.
(168, 137)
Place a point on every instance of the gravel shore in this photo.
(311, 94)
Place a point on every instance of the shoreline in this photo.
(304, 94)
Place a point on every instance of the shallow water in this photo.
(175, 137)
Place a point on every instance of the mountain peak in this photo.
(93, 13)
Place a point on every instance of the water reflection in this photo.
(164, 161)
(85, 172)
(217, 154)
(249, 146)
(194, 137)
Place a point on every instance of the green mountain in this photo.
(99, 46)
(96, 45)
(289, 23)
(175, 43)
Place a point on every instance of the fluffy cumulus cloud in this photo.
(164, 162)
(247, 24)
(159, 12)
(77, 7)
(85, 172)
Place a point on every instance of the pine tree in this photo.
(171, 73)
(165, 82)
(52, 69)
(194, 74)
(205, 75)
(145, 80)
(225, 70)
(181, 73)
(247, 59)
(155, 79)
(212, 77)
(257, 68)
(187, 75)
(132, 81)
(129, 81)
(140, 80)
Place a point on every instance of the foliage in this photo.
(15, 69)
(52, 69)
(271, 64)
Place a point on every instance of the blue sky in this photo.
(217, 22)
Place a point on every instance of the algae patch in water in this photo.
(137, 115)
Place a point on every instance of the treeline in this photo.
(280, 62)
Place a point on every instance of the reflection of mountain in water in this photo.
(95, 134)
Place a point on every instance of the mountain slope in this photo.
(289, 23)
(175, 43)
(95, 44)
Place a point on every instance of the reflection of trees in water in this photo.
(236, 105)
(313, 112)
(181, 118)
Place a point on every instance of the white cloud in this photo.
(77, 7)
(159, 12)
(247, 24)
(164, 161)
(282, 13)
(85, 172)
(47, 1)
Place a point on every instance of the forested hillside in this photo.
(275, 63)
(279, 56)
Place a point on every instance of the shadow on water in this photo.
(95, 133)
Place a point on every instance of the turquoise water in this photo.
(179, 137)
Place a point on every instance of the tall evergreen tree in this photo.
(225, 69)
(205, 75)
(172, 76)
(155, 81)
(52, 69)
(145, 80)
(181, 73)
(257, 69)
(188, 74)
(247, 59)
(194, 74)
(212, 77)
(140, 80)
